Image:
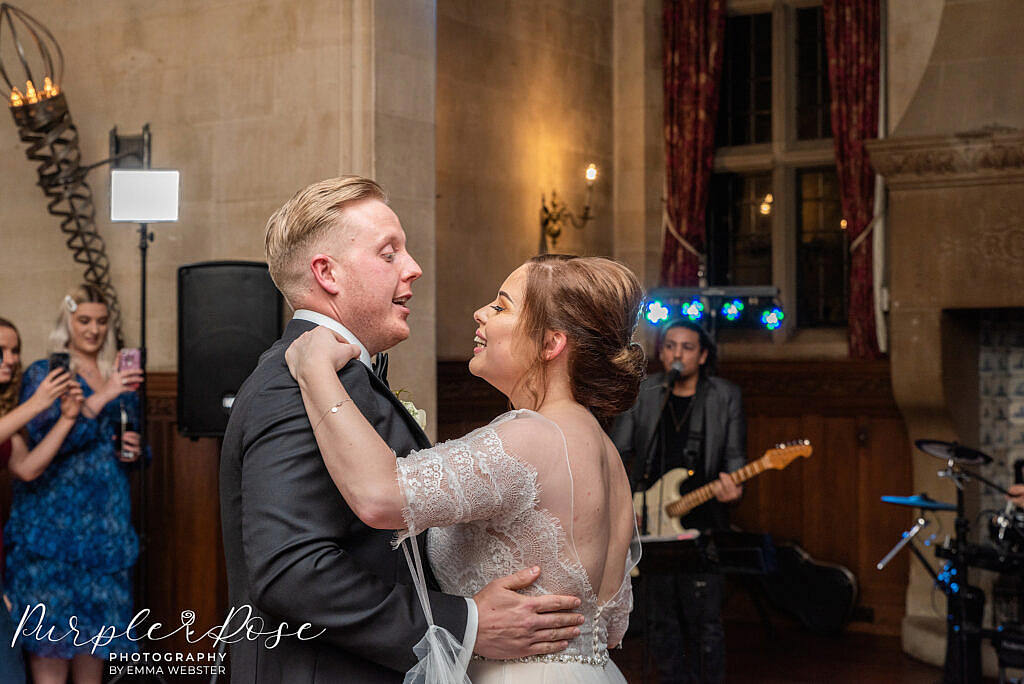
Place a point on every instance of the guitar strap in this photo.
(692, 450)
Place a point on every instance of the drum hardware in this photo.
(906, 539)
(965, 603)
(922, 501)
(1008, 641)
(948, 451)
(1006, 530)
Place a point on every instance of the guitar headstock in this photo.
(781, 455)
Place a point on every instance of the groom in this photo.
(295, 551)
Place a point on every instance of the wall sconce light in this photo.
(766, 204)
(553, 218)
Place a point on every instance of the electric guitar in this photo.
(666, 503)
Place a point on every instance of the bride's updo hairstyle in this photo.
(596, 303)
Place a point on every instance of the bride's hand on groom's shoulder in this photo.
(317, 348)
(513, 625)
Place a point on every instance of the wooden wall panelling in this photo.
(831, 497)
(185, 563)
(772, 501)
(848, 412)
(884, 470)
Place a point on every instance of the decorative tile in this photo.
(1001, 398)
(1014, 413)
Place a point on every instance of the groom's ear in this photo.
(555, 343)
(324, 270)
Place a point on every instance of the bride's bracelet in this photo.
(333, 409)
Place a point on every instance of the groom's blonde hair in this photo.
(297, 227)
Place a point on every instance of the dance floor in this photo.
(793, 655)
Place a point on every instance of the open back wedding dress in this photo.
(496, 501)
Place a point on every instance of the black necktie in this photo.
(380, 367)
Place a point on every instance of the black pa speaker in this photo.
(229, 312)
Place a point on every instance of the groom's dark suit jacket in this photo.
(296, 552)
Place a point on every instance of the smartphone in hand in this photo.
(60, 360)
(129, 358)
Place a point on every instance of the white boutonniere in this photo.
(418, 414)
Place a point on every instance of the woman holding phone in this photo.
(71, 545)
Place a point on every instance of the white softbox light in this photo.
(143, 196)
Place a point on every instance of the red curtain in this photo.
(852, 33)
(694, 30)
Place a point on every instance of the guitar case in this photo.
(820, 595)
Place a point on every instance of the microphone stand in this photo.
(670, 379)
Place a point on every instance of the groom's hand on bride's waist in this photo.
(512, 625)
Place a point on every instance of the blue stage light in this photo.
(656, 312)
(772, 318)
(732, 310)
(694, 310)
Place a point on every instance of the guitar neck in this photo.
(705, 493)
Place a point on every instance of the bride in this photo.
(541, 485)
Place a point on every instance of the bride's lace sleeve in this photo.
(470, 478)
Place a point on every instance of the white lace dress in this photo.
(480, 495)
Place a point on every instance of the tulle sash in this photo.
(441, 656)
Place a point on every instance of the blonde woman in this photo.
(70, 541)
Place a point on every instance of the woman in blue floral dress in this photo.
(70, 542)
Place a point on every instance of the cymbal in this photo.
(948, 450)
(922, 501)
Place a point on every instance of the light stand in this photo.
(141, 196)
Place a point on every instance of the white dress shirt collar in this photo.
(328, 322)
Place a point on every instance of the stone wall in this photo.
(524, 103)
(972, 78)
(227, 92)
(639, 137)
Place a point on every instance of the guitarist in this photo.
(685, 418)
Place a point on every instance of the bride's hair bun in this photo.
(631, 359)
(596, 303)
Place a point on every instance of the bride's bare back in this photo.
(603, 522)
(509, 496)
